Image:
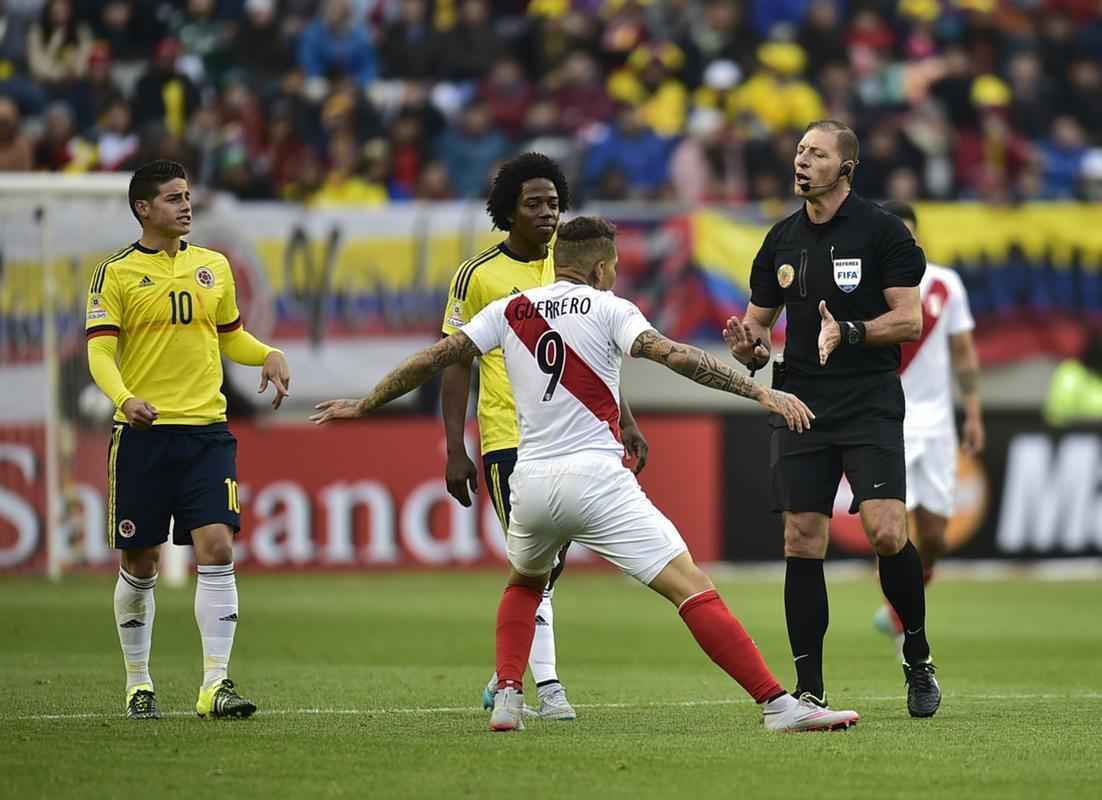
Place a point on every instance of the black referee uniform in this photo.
(857, 396)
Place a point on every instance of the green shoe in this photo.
(220, 700)
(141, 703)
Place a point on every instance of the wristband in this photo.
(853, 333)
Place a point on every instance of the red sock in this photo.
(722, 637)
(516, 627)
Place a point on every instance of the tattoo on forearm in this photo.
(968, 380)
(419, 368)
(692, 362)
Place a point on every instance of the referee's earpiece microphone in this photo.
(844, 171)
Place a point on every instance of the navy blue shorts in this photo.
(186, 472)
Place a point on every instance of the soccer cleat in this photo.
(489, 692)
(141, 703)
(220, 700)
(553, 703)
(787, 714)
(508, 714)
(923, 691)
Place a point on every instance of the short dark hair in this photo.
(584, 241)
(147, 181)
(848, 147)
(900, 209)
(505, 191)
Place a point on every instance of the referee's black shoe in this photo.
(923, 692)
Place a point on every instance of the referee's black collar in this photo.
(847, 209)
(141, 248)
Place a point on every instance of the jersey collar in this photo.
(141, 248)
(847, 209)
(504, 248)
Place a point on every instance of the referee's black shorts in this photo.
(858, 431)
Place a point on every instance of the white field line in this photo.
(320, 712)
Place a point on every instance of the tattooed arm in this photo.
(705, 369)
(417, 369)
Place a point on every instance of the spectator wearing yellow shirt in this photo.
(649, 81)
(777, 94)
(345, 184)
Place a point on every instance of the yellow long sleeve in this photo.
(105, 370)
(241, 346)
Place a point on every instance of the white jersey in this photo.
(926, 368)
(563, 347)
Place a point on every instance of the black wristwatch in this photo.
(853, 333)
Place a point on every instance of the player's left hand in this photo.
(974, 437)
(830, 334)
(635, 443)
(337, 409)
(275, 369)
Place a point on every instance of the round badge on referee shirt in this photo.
(786, 273)
(204, 276)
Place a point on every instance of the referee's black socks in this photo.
(807, 615)
(901, 582)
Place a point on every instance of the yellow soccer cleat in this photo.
(141, 703)
(221, 701)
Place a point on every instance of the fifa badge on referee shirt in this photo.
(847, 272)
(204, 276)
(785, 275)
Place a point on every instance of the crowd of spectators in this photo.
(362, 102)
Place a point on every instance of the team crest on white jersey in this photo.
(847, 273)
(204, 276)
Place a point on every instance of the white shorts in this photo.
(932, 471)
(592, 499)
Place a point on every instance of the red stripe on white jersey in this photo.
(577, 376)
(933, 306)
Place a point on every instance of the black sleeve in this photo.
(765, 292)
(901, 260)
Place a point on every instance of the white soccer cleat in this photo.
(786, 714)
(554, 705)
(508, 714)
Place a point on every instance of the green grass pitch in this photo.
(369, 685)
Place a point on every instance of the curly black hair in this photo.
(505, 192)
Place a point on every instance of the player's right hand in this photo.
(139, 413)
(796, 415)
(459, 474)
(744, 347)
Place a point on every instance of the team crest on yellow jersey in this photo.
(204, 276)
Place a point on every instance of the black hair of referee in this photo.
(847, 272)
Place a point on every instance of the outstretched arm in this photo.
(705, 369)
(415, 371)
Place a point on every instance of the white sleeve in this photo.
(626, 322)
(487, 327)
(960, 315)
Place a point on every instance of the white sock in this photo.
(216, 615)
(134, 610)
(542, 659)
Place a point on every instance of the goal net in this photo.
(54, 422)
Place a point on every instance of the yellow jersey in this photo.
(479, 281)
(167, 314)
